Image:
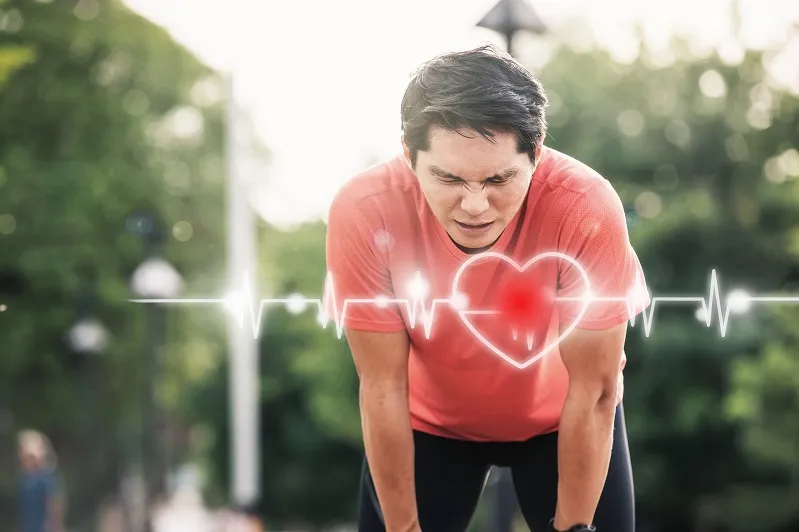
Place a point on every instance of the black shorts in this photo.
(451, 474)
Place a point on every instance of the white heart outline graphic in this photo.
(552, 254)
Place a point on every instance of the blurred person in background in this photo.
(41, 504)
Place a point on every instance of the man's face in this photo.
(473, 185)
(28, 461)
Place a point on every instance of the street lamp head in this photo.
(156, 278)
(88, 336)
(509, 16)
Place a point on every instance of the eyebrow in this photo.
(440, 172)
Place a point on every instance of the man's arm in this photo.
(381, 360)
(592, 359)
(56, 512)
(55, 508)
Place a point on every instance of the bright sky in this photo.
(323, 80)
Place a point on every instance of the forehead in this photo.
(468, 154)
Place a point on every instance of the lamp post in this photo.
(155, 278)
(87, 339)
(508, 17)
(243, 348)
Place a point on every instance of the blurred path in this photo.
(184, 511)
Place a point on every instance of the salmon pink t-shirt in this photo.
(393, 267)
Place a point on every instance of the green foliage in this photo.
(765, 401)
(12, 58)
(93, 109)
(706, 175)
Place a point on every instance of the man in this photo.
(447, 392)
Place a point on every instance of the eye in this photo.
(499, 180)
(449, 180)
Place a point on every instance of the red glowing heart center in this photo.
(524, 302)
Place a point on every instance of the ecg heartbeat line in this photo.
(242, 304)
(738, 301)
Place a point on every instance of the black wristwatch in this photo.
(575, 528)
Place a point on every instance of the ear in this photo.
(539, 147)
(406, 153)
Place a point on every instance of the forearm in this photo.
(584, 443)
(56, 514)
(388, 439)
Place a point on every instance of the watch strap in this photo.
(575, 528)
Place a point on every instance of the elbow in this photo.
(607, 394)
(600, 394)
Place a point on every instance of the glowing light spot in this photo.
(712, 84)
(739, 301)
(418, 288)
(182, 231)
(648, 204)
(233, 301)
(296, 304)
(630, 122)
(459, 301)
(678, 133)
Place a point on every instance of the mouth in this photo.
(474, 228)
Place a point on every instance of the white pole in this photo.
(243, 377)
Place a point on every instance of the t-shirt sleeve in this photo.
(358, 273)
(595, 235)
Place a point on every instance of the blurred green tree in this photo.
(764, 399)
(12, 58)
(101, 115)
(701, 152)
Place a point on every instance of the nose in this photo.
(474, 203)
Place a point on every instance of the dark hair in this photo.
(483, 89)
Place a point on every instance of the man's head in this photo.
(33, 450)
(473, 123)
